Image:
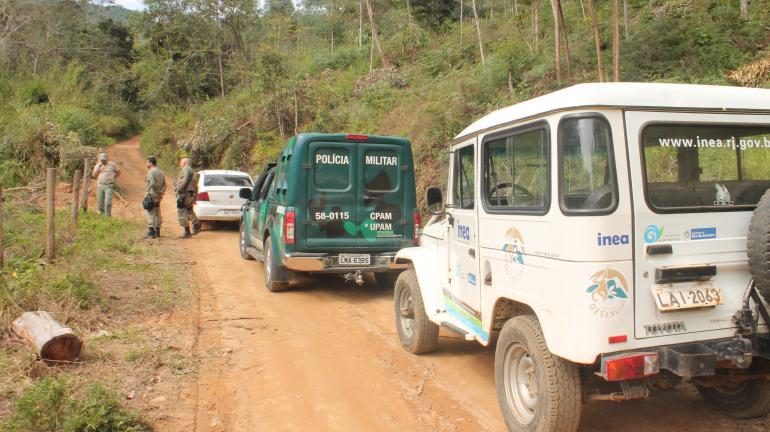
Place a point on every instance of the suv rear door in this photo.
(694, 190)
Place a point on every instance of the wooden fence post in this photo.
(2, 238)
(50, 216)
(86, 176)
(75, 197)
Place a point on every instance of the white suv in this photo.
(599, 235)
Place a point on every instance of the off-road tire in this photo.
(422, 337)
(758, 246)
(275, 275)
(559, 399)
(750, 399)
(243, 244)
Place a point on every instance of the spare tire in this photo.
(759, 246)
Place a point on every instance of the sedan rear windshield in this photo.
(226, 180)
(714, 167)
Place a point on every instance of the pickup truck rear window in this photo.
(705, 167)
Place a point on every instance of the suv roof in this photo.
(225, 172)
(630, 95)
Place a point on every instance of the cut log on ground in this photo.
(52, 341)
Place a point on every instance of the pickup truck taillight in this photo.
(417, 223)
(288, 227)
(203, 196)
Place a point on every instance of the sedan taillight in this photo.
(203, 196)
(417, 222)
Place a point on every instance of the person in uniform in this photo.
(155, 188)
(185, 198)
(105, 172)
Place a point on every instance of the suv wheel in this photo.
(417, 333)
(244, 243)
(746, 400)
(273, 270)
(537, 390)
(758, 246)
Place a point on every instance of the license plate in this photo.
(354, 259)
(687, 295)
(231, 212)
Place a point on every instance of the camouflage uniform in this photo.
(155, 186)
(186, 190)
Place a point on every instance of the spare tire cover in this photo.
(759, 246)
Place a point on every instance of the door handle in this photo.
(472, 253)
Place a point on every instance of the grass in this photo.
(59, 404)
(110, 287)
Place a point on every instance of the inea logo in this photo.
(611, 240)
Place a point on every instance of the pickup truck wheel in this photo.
(747, 400)
(417, 333)
(537, 391)
(758, 245)
(244, 243)
(273, 270)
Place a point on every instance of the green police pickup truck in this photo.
(333, 203)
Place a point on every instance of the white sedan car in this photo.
(218, 195)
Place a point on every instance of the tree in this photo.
(597, 41)
(744, 5)
(615, 42)
(376, 34)
(478, 30)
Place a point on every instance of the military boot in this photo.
(150, 234)
(157, 232)
(186, 233)
(196, 228)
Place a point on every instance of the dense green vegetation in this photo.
(228, 83)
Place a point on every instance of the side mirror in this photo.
(245, 193)
(434, 200)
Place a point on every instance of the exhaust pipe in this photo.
(356, 277)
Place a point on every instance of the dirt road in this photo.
(324, 356)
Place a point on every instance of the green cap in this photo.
(102, 156)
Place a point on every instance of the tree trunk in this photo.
(615, 42)
(221, 74)
(409, 10)
(597, 41)
(536, 24)
(566, 41)
(557, 38)
(625, 19)
(51, 340)
(360, 24)
(745, 9)
(376, 35)
(516, 7)
(478, 31)
(461, 24)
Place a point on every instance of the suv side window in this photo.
(463, 178)
(586, 166)
(516, 170)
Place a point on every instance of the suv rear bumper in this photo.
(697, 359)
(327, 263)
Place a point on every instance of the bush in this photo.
(55, 404)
